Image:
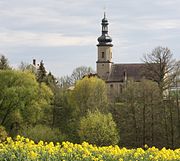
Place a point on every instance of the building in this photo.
(115, 75)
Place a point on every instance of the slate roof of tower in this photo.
(118, 72)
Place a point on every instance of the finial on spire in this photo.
(104, 11)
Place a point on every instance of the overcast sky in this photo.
(63, 33)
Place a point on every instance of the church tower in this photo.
(104, 46)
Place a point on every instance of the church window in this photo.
(111, 85)
(102, 54)
(121, 88)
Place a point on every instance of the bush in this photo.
(44, 133)
(3, 134)
(97, 128)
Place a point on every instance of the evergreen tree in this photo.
(51, 81)
(4, 63)
(41, 73)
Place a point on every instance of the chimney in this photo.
(34, 62)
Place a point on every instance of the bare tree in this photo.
(161, 67)
(79, 72)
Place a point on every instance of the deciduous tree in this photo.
(99, 129)
(21, 98)
(161, 67)
(90, 94)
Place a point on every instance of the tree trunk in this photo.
(5, 116)
(172, 129)
(152, 126)
(165, 125)
(135, 123)
(144, 125)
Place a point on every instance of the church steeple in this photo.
(104, 39)
(104, 59)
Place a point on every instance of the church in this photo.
(115, 75)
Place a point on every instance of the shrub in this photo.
(44, 133)
(3, 133)
(97, 128)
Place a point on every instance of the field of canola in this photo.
(26, 150)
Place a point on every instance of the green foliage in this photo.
(4, 63)
(65, 115)
(21, 99)
(90, 94)
(41, 73)
(99, 129)
(44, 133)
(3, 134)
(143, 118)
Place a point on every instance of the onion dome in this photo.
(104, 39)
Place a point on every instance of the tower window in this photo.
(102, 54)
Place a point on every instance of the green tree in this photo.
(41, 73)
(3, 134)
(90, 94)
(97, 128)
(4, 63)
(137, 115)
(21, 99)
(44, 133)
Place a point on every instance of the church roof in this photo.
(121, 72)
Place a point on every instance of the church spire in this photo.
(104, 39)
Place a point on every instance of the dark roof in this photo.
(90, 75)
(120, 71)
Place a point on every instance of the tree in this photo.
(25, 66)
(41, 73)
(4, 63)
(44, 133)
(3, 134)
(137, 115)
(65, 82)
(161, 67)
(90, 94)
(52, 82)
(100, 129)
(80, 72)
(21, 98)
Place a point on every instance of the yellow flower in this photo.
(33, 155)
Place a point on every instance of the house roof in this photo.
(120, 72)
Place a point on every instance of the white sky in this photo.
(64, 33)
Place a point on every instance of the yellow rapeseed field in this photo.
(23, 149)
